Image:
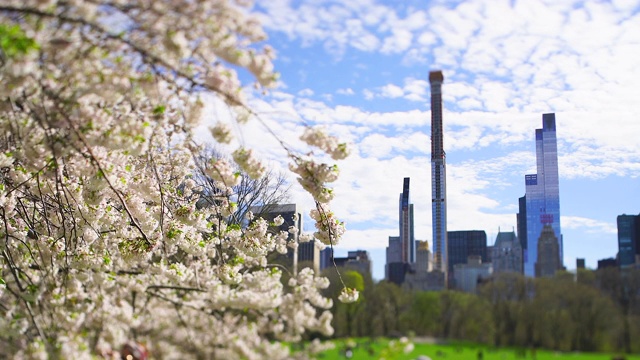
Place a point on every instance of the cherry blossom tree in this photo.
(270, 189)
(103, 251)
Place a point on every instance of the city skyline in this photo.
(361, 69)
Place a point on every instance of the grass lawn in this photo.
(367, 349)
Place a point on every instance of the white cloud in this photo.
(346, 91)
(398, 41)
(591, 225)
(368, 94)
(391, 91)
(305, 92)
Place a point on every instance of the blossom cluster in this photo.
(106, 249)
(317, 136)
(329, 229)
(313, 177)
(247, 162)
(348, 295)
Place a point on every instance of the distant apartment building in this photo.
(607, 263)
(470, 273)
(628, 240)
(580, 263)
(357, 260)
(420, 277)
(423, 257)
(394, 255)
(326, 258)
(506, 254)
(540, 207)
(461, 245)
(548, 253)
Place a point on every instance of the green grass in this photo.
(366, 349)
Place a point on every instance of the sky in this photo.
(360, 68)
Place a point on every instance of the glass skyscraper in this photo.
(542, 196)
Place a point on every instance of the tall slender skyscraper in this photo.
(543, 193)
(438, 176)
(406, 225)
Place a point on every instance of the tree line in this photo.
(587, 311)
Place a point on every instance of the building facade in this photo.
(542, 196)
(420, 277)
(423, 257)
(521, 219)
(628, 239)
(438, 177)
(548, 253)
(507, 253)
(357, 260)
(470, 273)
(394, 254)
(461, 245)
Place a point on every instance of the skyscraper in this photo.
(549, 253)
(542, 196)
(402, 249)
(438, 177)
(423, 257)
(628, 239)
(406, 225)
(461, 245)
(394, 256)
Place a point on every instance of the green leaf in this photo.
(159, 110)
(14, 41)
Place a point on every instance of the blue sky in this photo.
(360, 67)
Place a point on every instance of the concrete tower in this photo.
(438, 177)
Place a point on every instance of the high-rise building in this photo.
(628, 239)
(542, 196)
(420, 277)
(507, 253)
(326, 258)
(438, 177)
(423, 257)
(394, 255)
(402, 249)
(406, 225)
(548, 253)
(521, 218)
(461, 245)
